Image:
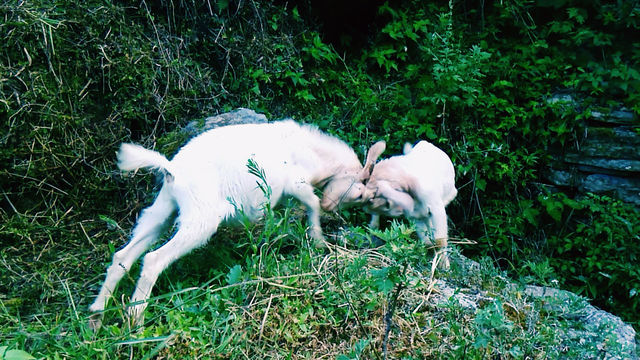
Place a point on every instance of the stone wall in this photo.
(605, 159)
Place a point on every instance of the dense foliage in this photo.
(472, 77)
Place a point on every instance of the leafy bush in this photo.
(593, 244)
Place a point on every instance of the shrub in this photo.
(593, 245)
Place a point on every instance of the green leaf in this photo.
(222, 5)
(111, 224)
(531, 214)
(14, 354)
(235, 275)
(481, 184)
(382, 280)
(305, 95)
(578, 14)
(554, 209)
(503, 83)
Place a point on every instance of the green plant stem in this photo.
(388, 317)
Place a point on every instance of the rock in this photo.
(625, 188)
(238, 116)
(603, 165)
(621, 116)
(600, 327)
(617, 143)
(599, 334)
(606, 159)
(563, 178)
(567, 99)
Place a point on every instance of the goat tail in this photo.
(132, 157)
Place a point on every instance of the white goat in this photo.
(418, 185)
(208, 182)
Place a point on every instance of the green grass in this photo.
(262, 291)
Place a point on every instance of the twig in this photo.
(88, 237)
(10, 203)
(388, 317)
(40, 182)
(65, 285)
(264, 318)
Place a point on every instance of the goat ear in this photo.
(413, 188)
(400, 198)
(372, 155)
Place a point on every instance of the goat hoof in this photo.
(443, 263)
(95, 321)
(317, 237)
(135, 315)
(320, 243)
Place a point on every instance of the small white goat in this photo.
(207, 182)
(418, 185)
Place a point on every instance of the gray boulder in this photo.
(589, 331)
(235, 117)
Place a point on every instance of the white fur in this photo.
(418, 185)
(133, 157)
(207, 182)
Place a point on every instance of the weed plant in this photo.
(283, 299)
